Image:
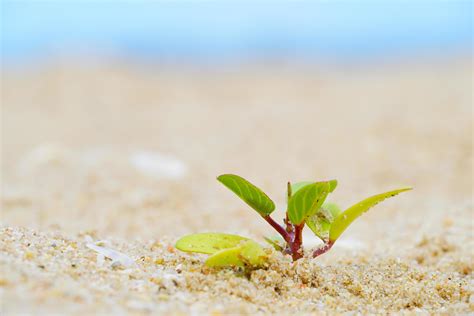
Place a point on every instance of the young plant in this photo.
(306, 206)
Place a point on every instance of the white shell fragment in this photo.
(117, 257)
(157, 165)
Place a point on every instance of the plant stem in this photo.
(286, 236)
(323, 249)
(289, 227)
(296, 251)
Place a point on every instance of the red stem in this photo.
(293, 236)
(286, 236)
(296, 250)
(289, 226)
(323, 249)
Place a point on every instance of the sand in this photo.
(107, 155)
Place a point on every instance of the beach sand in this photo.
(108, 155)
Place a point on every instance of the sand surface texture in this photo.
(104, 166)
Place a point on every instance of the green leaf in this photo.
(248, 253)
(249, 193)
(276, 241)
(344, 219)
(226, 258)
(295, 187)
(208, 242)
(252, 254)
(320, 222)
(306, 201)
(332, 185)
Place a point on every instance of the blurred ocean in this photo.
(216, 31)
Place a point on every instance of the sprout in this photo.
(306, 206)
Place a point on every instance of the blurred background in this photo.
(118, 116)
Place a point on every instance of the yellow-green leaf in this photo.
(226, 258)
(276, 241)
(306, 201)
(332, 185)
(208, 242)
(344, 219)
(249, 193)
(252, 254)
(249, 253)
(320, 222)
(295, 187)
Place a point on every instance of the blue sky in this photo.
(334, 30)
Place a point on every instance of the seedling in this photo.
(306, 206)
